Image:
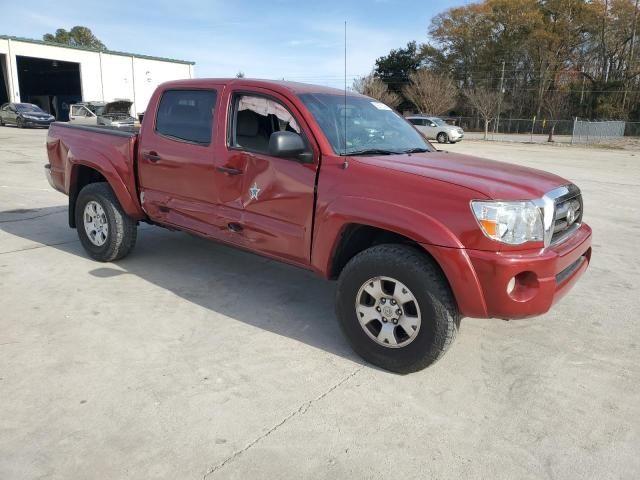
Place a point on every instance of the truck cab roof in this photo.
(282, 86)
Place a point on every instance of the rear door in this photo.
(176, 159)
(267, 202)
(4, 112)
(11, 114)
(420, 124)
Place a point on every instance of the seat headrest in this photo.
(247, 125)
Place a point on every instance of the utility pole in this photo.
(631, 47)
(495, 129)
(582, 91)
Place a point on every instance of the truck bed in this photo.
(77, 150)
(120, 131)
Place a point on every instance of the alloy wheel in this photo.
(388, 312)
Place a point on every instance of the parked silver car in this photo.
(435, 128)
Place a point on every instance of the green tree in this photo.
(395, 68)
(78, 36)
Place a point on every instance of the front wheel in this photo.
(105, 230)
(20, 122)
(442, 137)
(396, 308)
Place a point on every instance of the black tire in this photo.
(440, 317)
(122, 230)
(20, 123)
(442, 137)
(1, 122)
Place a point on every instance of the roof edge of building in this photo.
(96, 50)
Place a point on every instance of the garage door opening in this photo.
(53, 85)
(4, 80)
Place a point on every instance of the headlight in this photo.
(509, 222)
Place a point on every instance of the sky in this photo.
(275, 39)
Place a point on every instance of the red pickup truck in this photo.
(339, 184)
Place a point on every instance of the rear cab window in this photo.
(186, 115)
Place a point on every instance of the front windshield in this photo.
(28, 108)
(370, 125)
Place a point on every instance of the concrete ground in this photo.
(189, 359)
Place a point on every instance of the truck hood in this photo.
(118, 107)
(496, 180)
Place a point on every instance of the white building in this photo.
(54, 76)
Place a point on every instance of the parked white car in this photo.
(435, 128)
(115, 114)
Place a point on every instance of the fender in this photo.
(114, 170)
(333, 218)
(432, 235)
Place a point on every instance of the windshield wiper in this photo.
(370, 151)
(416, 150)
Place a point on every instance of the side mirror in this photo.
(287, 145)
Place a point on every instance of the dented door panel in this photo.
(272, 201)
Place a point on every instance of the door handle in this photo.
(229, 170)
(151, 156)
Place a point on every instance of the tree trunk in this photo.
(486, 128)
(551, 130)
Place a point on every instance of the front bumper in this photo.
(514, 285)
(30, 122)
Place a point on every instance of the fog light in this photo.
(523, 287)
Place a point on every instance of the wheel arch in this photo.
(452, 263)
(357, 237)
(82, 174)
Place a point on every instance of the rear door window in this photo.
(186, 115)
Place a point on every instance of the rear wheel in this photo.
(442, 137)
(396, 308)
(105, 230)
(20, 122)
(1, 122)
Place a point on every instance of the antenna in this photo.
(345, 164)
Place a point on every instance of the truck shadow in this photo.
(269, 295)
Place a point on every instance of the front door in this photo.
(80, 114)
(176, 160)
(266, 201)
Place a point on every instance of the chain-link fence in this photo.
(537, 130)
(586, 131)
(515, 125)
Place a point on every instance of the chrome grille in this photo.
(567, 214)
